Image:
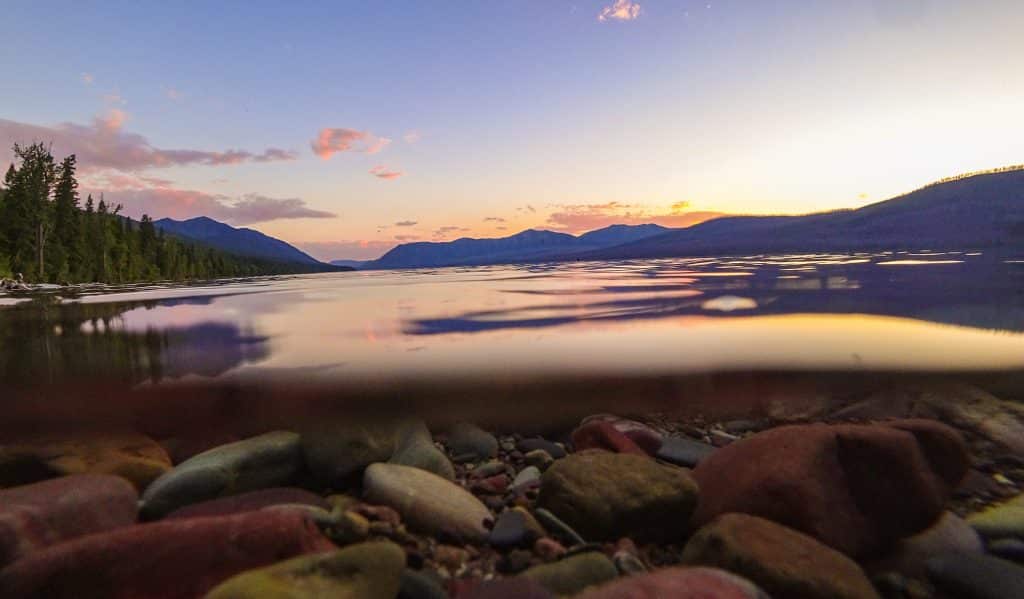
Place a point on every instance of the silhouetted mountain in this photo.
(527, 246)
(973, 211)
(243, 242)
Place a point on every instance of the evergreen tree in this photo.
(66, 250)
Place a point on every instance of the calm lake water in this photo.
(636, 331)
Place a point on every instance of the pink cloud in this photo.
(157, 198)
(404, 238)
(331, 141)
(346, 250)
(579, 218)
(621, 10)
(412, 137)
(383, 172)
(104, 144)
(87, 78)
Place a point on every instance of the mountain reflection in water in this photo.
(836, 312)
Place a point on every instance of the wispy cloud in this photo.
(87, 78)
(621, 10)
(330, 141)
(494, 219)
(446, 230)
(412, 137)
(578, 218)
(382, 172)
(404, 238)
(104, 144)
(406, 223)
(173, 94)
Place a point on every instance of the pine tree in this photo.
(66, 234)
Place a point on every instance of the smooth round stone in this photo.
(780, 560)
(515, 528)
(415, 447)
(553, 449)
(677, 583)
(132, 456)
(975, 576)
(601, 434)
(1011, 549)
(420, 585)
(471, 442)
(627, 563)
(269, 460)
(507, 588)
(489, 469)
(683, 452)
(247, 502)
(162, 560)
(950, 534)
(36, 516)
(1005, 520)
(606, 496)
(364, 571)
(574, 573)
(538, 458)
(528, 475)
(558, 528)
(427, 502)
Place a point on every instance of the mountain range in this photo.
(242, 242)
(974, 211)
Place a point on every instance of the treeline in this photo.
(48, 237)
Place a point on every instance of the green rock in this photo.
(606, 496)
(780, 560)
(364, 571)
(268, 460)
(574, 573)
(1000, 521)
(415, 447)
(337, 453)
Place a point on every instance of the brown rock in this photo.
(854, 487)
(602, 435)
(176, 559)
(782, 561)
(606, 496)
(36, 516)
(247, 502)
(134, 457)
(678, 583)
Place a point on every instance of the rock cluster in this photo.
(610, 510)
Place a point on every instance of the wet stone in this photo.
(554, 450)
(574, 573)
(527, 476)
(1010, 549)
(420, 585)
(558, 528)
(470, 442)
(683, 452)
(974, 576)
(515, 528)
(539, 459)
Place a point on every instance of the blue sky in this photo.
(490, 117)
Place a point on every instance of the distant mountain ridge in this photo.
(239, 241)
(526, 246)
(972, 211)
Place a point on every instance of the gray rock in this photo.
(973, 576)
(949, 534)
(269, 460)
(427, 502)
(539, 458)
(420, 585)
(415, 447)
(530, 474)
(557, 528)
(336, 452)
(515, 528)
(627, 563)
(489, 469)
(1011, 549)
(574, 573)
(471, 443)
(554, 450)
(683, 452)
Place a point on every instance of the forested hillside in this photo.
(46, 234)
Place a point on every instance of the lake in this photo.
(519, 340)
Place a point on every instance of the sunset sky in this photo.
(350, 127)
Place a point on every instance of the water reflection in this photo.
(784, 312)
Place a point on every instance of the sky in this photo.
(348, 127)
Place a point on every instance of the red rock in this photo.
(36, 516)
(492, 485)
(247, 502)
(548, 549)
(176, 559)
(646, 437)
(677, 583)
(856, 488)
(603, 435)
